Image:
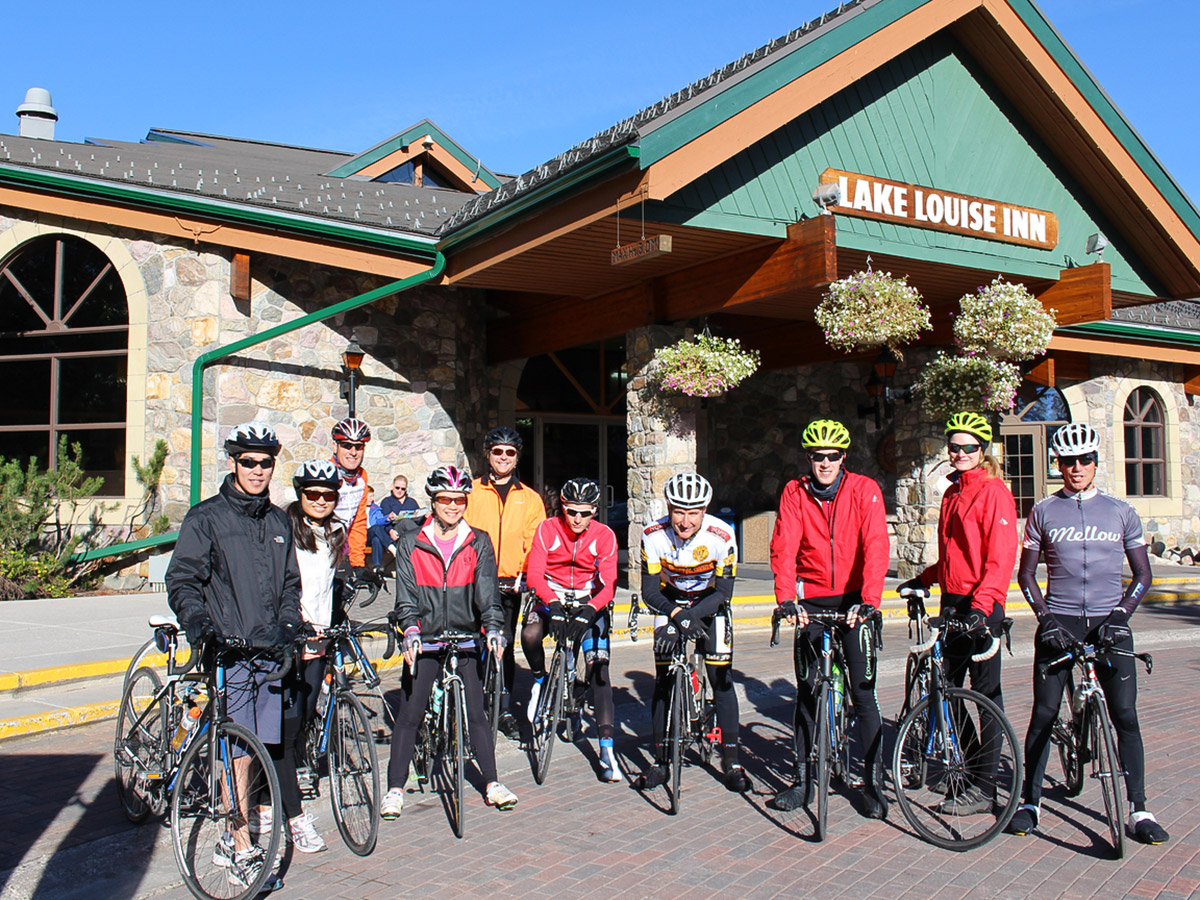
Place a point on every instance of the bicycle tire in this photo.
(824, 761)
(916, 686)
(354, 775)
(957, 765)
(140, 744)
(678, 725)
(706, 720)
(423, 753)
(1066, 735)
(200, 822)
(136, 662)
(549, 713)
(1106, 767)
(454, 757)
(492, 694)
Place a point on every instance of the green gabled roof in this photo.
(404, 138)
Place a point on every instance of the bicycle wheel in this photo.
(493, 691)
(219, 852)
(1106, 767)
(916, 686)
(140, 748)
(549, 714)
(137, 662)
(454, 757)
(354, 775)
(678, 724)
(706, 723)
(972, 766)
(824, 761)
(423, 752)
(1066, 737)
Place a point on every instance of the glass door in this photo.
(584, 446)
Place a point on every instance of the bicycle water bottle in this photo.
(436, 701)
(1077, 700)
(323, 697)
(838, 683)
(186, 724)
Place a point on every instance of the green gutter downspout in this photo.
(207, 359)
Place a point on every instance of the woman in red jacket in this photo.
(977, 550)
(829, 553)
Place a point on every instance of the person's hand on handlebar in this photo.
(686, 622)
(975, 620)
(200, 629)
(794, 612)
(860, 612)
(665, 639)
(412, 646)
(496, 642)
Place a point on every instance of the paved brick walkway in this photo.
(577, 838)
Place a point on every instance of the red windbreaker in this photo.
(977, 540)
(584, 562)
(831, 548)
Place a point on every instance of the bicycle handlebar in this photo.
(1082, 651)
(939, 624)
(825, 618)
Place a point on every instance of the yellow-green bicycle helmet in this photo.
(971, 423)
(825, 433)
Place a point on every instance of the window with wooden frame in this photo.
(1145, 445)
(1029, 466)
(64, 337)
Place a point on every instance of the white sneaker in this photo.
(393, 803)
(609, 770)
(304, 835)
(260, 820)
(534, 695)
(500, 797)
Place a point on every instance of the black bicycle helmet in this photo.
(503, 435)
(580, 490)
(316, 473)
(252, 437)
(448, 479)
(351, 430)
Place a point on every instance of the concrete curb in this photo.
(54, 719)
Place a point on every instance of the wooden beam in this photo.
(239, 277)
(1071, 366)
(1124, 349)
(1042, 372)
(805, 261)
(1082, 294)
(1191, 380)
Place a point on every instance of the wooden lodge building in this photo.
(175, 286)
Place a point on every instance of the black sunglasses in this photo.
(579, 513)
(351, 445)
(1083, 459)
(831, 456)
(246, 463)
(314, 496)
(968, 449)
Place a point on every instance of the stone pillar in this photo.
(662, 436)
(920, 463)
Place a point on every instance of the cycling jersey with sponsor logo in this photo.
(1083, 539)
(691, 566)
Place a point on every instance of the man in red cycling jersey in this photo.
(829, 553)
(573, 572)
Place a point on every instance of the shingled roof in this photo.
(630, 130)
(1181, 315)
(254, 173)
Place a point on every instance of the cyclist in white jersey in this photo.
(689, 562)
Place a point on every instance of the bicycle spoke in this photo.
(140, 747)
(354, 775)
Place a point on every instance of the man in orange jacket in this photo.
(350, 437)
(510, 513)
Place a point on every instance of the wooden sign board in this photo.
(647, 248)
(926, 207)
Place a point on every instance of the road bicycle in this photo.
(557, 706)
(341, 734)
(442, 737)
(176, 752)
(957, 765)
(1084, 735)
(691, 715)
(829, 756)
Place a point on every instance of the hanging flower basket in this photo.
(705, 367)
(950, 384)
(1004, 321)
(872, 309)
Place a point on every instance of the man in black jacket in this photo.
(234, 575)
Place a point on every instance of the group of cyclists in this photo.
(244, 568)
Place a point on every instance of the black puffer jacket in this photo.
(235, 561)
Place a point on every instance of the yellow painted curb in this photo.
(58, 718)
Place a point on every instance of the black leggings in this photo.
(510, 604)
(299, 705)
(414, 697)
(720, 679)
(1119, 681)
(859, 651)
(597, 673)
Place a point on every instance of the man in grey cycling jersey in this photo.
(1084, 536)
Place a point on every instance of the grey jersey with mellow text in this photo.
(1083, 539)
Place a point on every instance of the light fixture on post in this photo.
(827, 195)
(1097, 243)
(352, 358)
(879, 388)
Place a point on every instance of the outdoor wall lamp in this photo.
(827, 195)
(1096, 243)
(352, 358)
(879, 388)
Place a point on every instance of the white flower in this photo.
(949, 384)
(705, 367)
(1004, 321)
(871, 309)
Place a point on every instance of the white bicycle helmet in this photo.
(1075, 439)
(252, 437)
(316, 473)
(688, 490)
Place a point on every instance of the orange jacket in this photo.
(510, 524)
(356, 526)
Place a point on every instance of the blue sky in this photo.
(515, 83)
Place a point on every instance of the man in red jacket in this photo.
(829, 553)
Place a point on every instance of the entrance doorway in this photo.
(594, 447)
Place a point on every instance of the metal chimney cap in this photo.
(37, 103)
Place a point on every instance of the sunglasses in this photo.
(316, 496)
(504, 451)
(966, 449)
(451, 501)
(831, 456)
(399, 488)
(1084, 459)
(579, 513)
(264, 464)
(351, 445)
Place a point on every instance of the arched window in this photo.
(1028, 464)
(1145, 445)
(64, 336)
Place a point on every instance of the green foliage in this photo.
(148, 476)
(35, 542)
